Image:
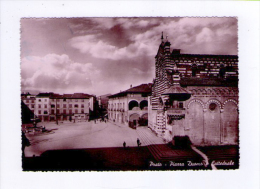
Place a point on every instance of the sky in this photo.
(106, 55)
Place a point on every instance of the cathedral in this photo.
(194, 96)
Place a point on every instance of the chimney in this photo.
(131, 86)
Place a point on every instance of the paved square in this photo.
(69, 135)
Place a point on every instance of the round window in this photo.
(212, 106)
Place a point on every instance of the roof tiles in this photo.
(143, 88)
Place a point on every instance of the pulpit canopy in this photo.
(177, 93)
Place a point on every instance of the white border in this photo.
(11, 175)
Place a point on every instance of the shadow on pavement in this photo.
(98, 159)
(153, 157)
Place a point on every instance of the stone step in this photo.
(144, 137)
(150, 134)
(147, 137)
(165, 153)
(154, 153)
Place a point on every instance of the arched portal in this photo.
(143, 121)
(143, 104)
(230, 123)
(145, 116)
(132, 104)
(212, 123)
(133, 117)
(133, 120)
(195, 121)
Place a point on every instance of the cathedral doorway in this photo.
(195, 121)
(212, 124)
(230, 123)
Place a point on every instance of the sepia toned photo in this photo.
(129, 93)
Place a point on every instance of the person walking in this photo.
(124, 144)
(138, 142)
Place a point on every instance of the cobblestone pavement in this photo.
(69, 135)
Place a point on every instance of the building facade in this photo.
(194, 95)
(70, 107)
(130, 107)
(42, 106)
(29, 101)
(55, 107)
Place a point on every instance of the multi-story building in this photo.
(55, 107)
(130, 107)
(42, 106)
(27, 107)
(29, 100)
(70, 106)
(195, 95)
(103, 101)
(103, 105)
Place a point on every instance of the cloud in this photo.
(99, 49)
(121, 50)
(104, 23)
(56, 73)
(188, 34)
(205, 36)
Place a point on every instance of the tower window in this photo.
(194, 70)
(222, 71)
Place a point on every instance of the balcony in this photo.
(174, 111)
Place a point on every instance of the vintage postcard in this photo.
(129, 93)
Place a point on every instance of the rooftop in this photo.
(44, 94)
(72, 96)
(175, 54)
(143, 89)
(231, 82)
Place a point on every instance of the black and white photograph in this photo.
(129, 93)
